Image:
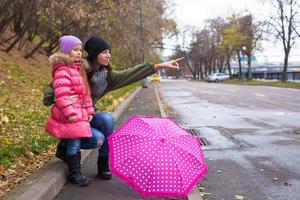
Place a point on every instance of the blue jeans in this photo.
(74, 145)
(103, 122)
(102, 126)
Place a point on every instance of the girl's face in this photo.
(76, 52)
(103, 57)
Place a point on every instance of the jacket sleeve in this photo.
(131, 75)
(62, 92)
(89, 106)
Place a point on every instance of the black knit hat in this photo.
(94, 46)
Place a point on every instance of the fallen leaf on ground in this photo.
(201, 189)
(238, 197)
(5, 119)
(286, 183)
(206, 193)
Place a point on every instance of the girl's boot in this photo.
(103, 168)
(75, 176)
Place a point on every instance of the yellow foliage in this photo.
(4, 119)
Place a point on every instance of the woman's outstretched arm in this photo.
(172, 64)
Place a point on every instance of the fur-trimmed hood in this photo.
(58, 59)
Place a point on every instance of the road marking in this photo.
(278, 113)
(258, 122)
(259, 95)
(232, 90)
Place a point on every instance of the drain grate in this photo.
(196, 132)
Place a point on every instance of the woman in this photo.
(103, 79)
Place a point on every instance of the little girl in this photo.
(70, 118)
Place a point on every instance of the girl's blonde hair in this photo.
(83, 69)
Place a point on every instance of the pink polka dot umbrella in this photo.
(156, 157)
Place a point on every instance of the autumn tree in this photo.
(252, 33)
(202, 53)
(215, 27)
(41, 23)
(204, 57)
(239, 38)
(126, 37)
(284, 26)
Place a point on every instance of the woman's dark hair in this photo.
(94, 66)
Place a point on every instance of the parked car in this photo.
(189, 77)
(155, 77)
(215, 77)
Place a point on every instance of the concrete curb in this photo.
(161, 108)
(47, 182)
(195, 193)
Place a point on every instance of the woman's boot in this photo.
(75, 176)
(61, 150)
(103, 168)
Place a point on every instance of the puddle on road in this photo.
(216, 139)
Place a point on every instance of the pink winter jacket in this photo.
(68, 82)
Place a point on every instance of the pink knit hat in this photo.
(67, 42)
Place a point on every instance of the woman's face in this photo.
(103, 57)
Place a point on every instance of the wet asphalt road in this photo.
(252, 135)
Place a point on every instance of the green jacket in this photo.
(118, 79)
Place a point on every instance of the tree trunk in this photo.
(52, 48)
(286, 61)
(15, 41)
(208, 65)
(184, 54)
(201, 71)
(3, 25)
(35, 49)
(196, 72)
(213, 62)
(219, 65)
(229, 68)
(10, 38)
(240, 65)
(222, 63)
(249, 67)
(22, 43)
(205, 69)
(191, 69)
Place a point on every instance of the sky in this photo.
(195, 12)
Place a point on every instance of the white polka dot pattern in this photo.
(156, 157)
